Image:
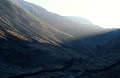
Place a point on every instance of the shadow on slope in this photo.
(92, 43)
(19, 56)
(22, 58)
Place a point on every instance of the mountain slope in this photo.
(39, 44)
(79, 20)
(59, 22)
(25, 43)
(25, 21)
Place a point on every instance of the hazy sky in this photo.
(105, 13)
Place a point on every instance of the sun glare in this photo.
(105, 13)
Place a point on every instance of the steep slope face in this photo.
(20, 20)
(61, 23)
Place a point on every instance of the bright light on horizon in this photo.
(105, 13)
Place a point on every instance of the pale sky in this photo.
(105, 13)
